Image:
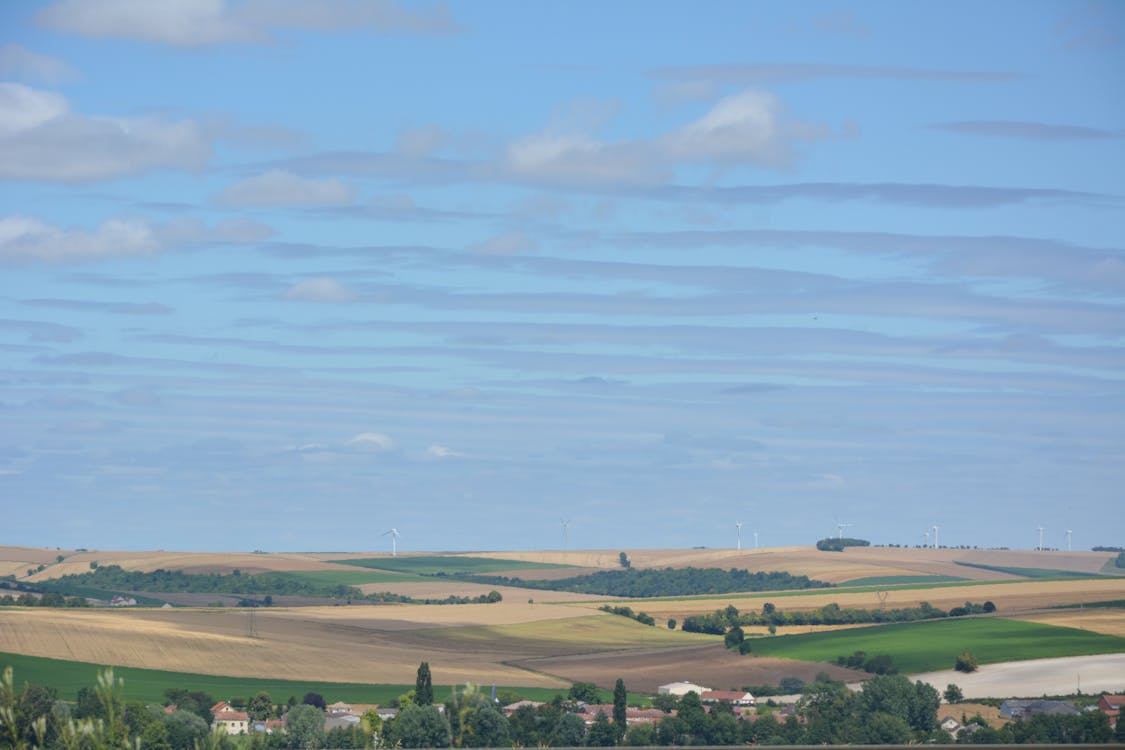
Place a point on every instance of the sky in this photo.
(530, 275)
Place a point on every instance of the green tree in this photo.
(953, 694)
(601, 733)
(570, 731)
(260, 706)
(620, 697)
(423, 686)
(671, 623)
(419, 726)
(587, 692)
(966, 662)
(314, 699)
(304, 726)
(624, 560)
(734, 637)
(185, 729)
(155, 736)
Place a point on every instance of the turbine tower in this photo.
(1068, 533)
(738, 525)
(394, 541)
(935, 530)
(1040, 527)
(840, 526)
(565, 522)
(926, 534)
(755, 539)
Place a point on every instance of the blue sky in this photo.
(282, 276)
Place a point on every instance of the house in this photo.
(386, 714)
(590, 711)
(733, 697)
(680, 689)
(339, 708)
(511, 708)
(950, 726)
(1025, 709)
(1111, 706)
(122, 601)
(229, 720)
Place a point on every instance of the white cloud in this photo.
(17, 61)
(320, 290)
(29, 239)
(278, 187)
(508, 243)
(375, 442)
(580, 159)
(440, 451)
(42, 139)
(196, 23)
(742, 127)
(25, 238)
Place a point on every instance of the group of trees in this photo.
(114, 578)
(838, 543)
(648, 582)
(625, 611)
(719, 621)
(49, 599)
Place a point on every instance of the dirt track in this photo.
(1036, 677)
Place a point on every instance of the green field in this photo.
(1030, 572)
(343, 577)
(898, 580)
(148, 685)
(447, 565)
(934, 644)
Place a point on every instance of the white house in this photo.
(680, 689)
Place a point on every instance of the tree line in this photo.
(721, 620)
(114, 578)
(651, 582)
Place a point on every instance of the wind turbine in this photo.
(935, 528)
(755, 539)
(840, 529)
(926, 534)
(738, 525)
(1040, 527)
(565, 522)
(394, 541)
(1068, 533)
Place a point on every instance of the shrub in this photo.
(966, 662)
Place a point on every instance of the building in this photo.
(1111, 706)
(680, 689)
(1025, 709)
(733, 697)
(229, 720)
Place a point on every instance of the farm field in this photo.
(544, 639)
(1009, 596)
(149, 684)
(933, 645)
(1107, 621)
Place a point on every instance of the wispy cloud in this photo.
(508, 243)
(207, 22)
(1029, 130)
(19, 62)
(320, 290)
(760, 74)
(30, 239)
(42, 139)
(113, 308)
(278, 187)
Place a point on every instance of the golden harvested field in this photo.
(1108, 621)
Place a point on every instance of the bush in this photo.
(966, 662)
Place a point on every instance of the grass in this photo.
(344, 577)
(1110, 604)
(148, 685)
(1030, 572)
(896, 580)
(934, 644)
(448, 565)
